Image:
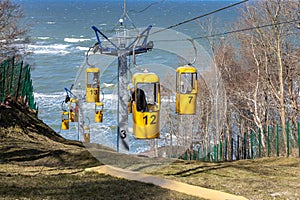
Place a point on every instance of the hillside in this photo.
(37, 163)
(31, 152)
(27, 140)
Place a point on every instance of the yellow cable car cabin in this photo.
(98, 112)
(73, 110)
(86, 134)
(145, 105)
(92, 84)
(186, 90)
(65, 120)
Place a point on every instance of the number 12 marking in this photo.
(152, 117)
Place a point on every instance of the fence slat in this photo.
(269, 141)
(252, 144)
(288, 138)
(15, 81)
(299, 138)
(277, 139)
(19, 80)
(3, 64)
(11, 77)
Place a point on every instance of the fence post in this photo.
(231, 148)
(226, 150)
(25, 81)
(207, 156)
(3, 81)
(238, 148)
(19, 79)
(269, 141)
(215, 153)
(205, 153)
(185, 155)
(31, 96)
(259, 143)
(11, 77)
(299, 138)
(221, 151)
(277, 140)
(288, 138)
(251, 142)
(245, 146)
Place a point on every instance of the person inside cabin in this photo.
(95, 80)
(182, 88)
(141, 102)
(185, 84)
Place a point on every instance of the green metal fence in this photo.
(250, 146)
(16, 83)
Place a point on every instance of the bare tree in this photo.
(260, 67)
(12, 33)
(269, 52)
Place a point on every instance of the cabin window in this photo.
(93, 79)
(187, 82)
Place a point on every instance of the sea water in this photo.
(61, 33)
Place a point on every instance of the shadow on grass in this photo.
(269, 166)
(85, 186)
(49, 158)
(197, 170)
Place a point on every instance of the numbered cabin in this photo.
(145, 105)
(73, 110)
(64, 120)
(186, 90)
(92, 84)
(98, 117)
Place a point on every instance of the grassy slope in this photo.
(36, 182)
(267, 178)
(37, 163)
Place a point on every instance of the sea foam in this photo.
(49, 49)
(76, 40)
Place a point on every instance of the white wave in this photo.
(51, 22)
(53, 95)
(43, 38)
(82, 48)
(48, 102)
(76, 40)
(49, 49)
(108, 85)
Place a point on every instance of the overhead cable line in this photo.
(247, 29)
(204, 15)
(234, 31)
(137, 12)
(147, 7)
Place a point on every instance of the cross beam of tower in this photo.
(139, 45)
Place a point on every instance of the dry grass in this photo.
(29, 182)
(36, 163)
(268, 178)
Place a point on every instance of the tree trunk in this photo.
(281, 90)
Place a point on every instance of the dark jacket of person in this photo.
(141, 103)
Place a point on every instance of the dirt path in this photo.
(165, 183)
